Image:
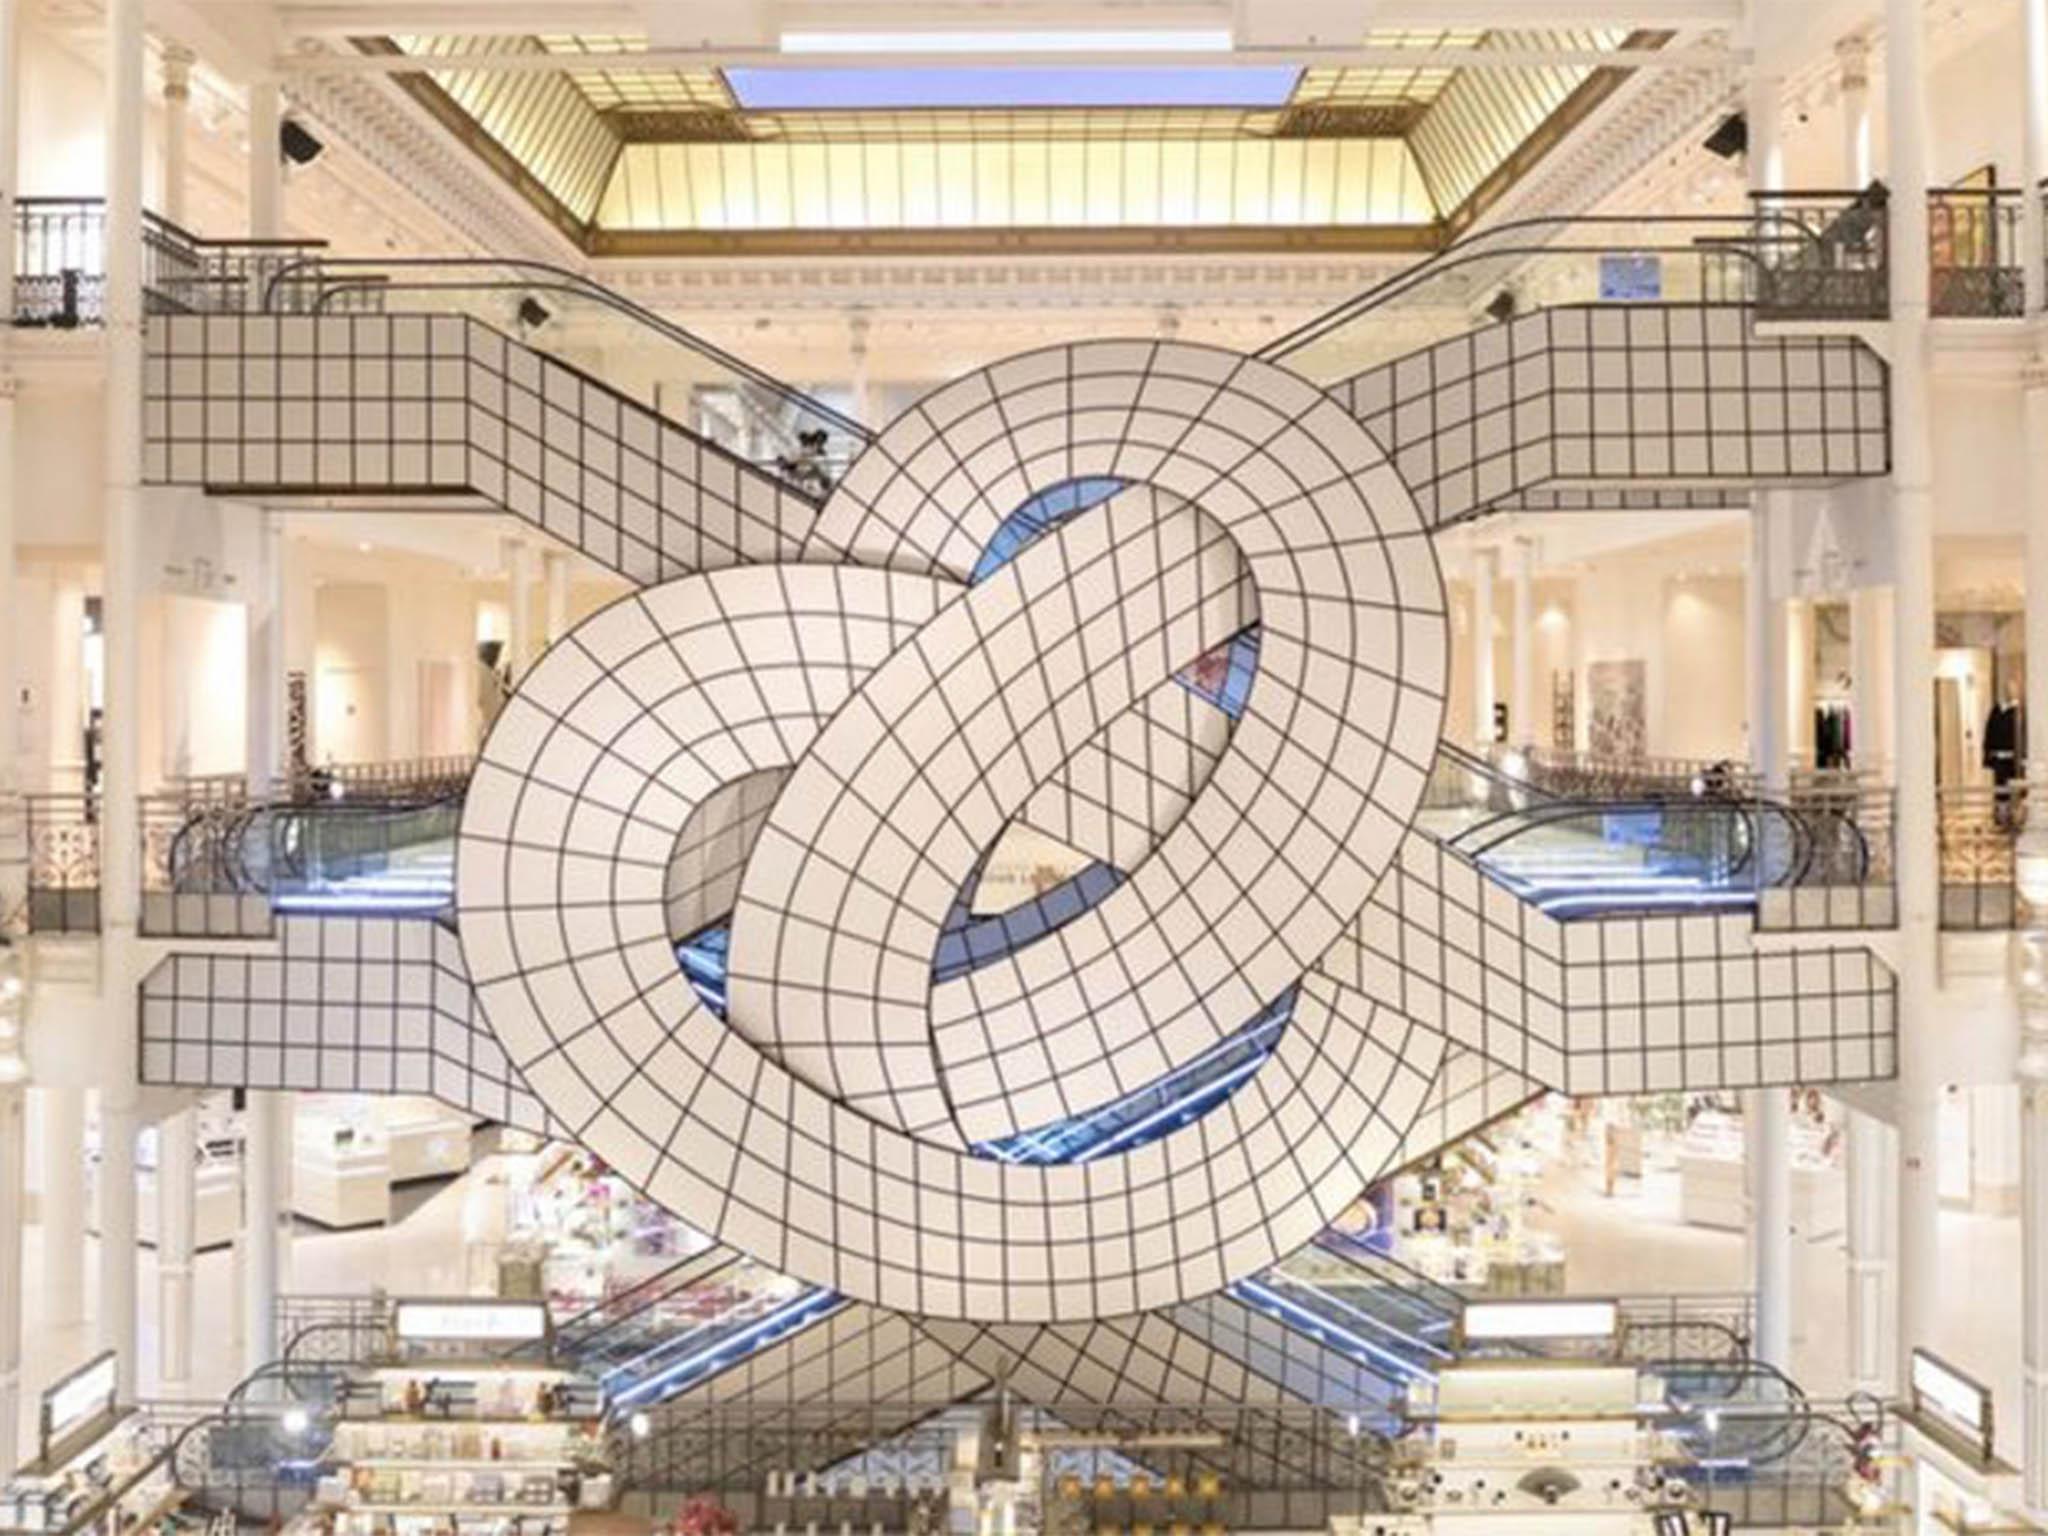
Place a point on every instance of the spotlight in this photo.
(295, 1421)
(1731, 139)
(296, 144)
(1501, 306)
(640, 1425)
(533, 314)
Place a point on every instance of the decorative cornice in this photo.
(1638, 123)
(940, 283)
(375, 120)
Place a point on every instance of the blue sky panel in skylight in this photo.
(804, 88)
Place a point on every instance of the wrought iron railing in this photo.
(1820, 255)
(63, 838)
(1973, 253)
(60, 265)
(1979, 826)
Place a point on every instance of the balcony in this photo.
(1826, 255)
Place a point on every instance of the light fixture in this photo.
(1541, 1320)
(640, 1424)
(295, 1421)
(1048, 40)
(297, 144)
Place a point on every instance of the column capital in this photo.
(177, 61)
(1852, 61)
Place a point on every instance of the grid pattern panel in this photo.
(1685, 394)
(566, 834)
(905, 790)
(712, 850)
(369, 403)
(346, 1005)
(1129, 787)
(1621, 1005)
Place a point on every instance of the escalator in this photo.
(391, 857)
(1682, 850)
(686, 1325)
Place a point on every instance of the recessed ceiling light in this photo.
(363, 549)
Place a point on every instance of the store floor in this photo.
(1631, 1243)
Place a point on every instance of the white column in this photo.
(519, 604)
(61, 1202)
(13, 1154)
(266, 1182)
(2034, 1251)
(1767, 647)
(1870, 670)
(120, 861)
(1920, 1072)
(554, 567)
(2030, 956)
(1485, 568)
(1852, 63)
(177, 65)
(858, 326)
(263, 664)
(1768, 1111)
(1872, 1221)
(1994, 1149)
(177, 1220)
(2034, 152)
(1522, 652)
(13, 831)
(266, 162)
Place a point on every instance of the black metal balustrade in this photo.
(63, 836)
(61, 270)
(1819, 255)
(1973, 253)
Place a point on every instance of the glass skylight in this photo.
(832, 88)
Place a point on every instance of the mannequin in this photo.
(2005, 749)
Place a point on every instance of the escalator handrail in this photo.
(1469, 248)
(585, 1328)
(566, 280)
(1357, 1252)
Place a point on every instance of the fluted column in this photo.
(1485, 569)
(1522, 647)
(555, 579)
(120, 837)
(177, 61)
(1920, 1074)
(177, 1217)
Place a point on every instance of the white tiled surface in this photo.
(905, 790)
(1580, 395)
(368, 403)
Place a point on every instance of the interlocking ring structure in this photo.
(886, 718)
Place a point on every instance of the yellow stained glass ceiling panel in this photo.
(1019, 183)
(1381, 84)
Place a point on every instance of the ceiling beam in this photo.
(652, 59)
(355, 17)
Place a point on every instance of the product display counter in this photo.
(1530, 1450)
(97, 1470)
(1713, 1189)
(1470, 1222)
(452, 1448)
(348, 1153)
(578, 1233)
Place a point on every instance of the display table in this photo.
(1530, 1449)
(341, 1185)
(98, 1470)
(1713, 1189)
(481, 1446)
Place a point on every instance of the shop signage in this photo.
(1541, 1320)
(1631, 279)
(504, 1322)
(1952, 1401)
(83, 1396)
